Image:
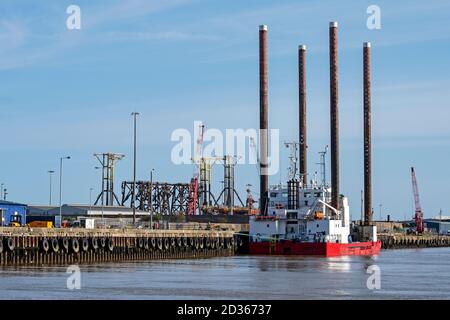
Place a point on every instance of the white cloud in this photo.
(12, 35)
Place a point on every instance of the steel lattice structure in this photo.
(166, 198)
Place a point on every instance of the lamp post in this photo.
(150, 205)
(134, 114)
(103, 189)
(90, 198)
(60, 187)
(50, 172)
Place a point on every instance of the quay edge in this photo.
(40, 246)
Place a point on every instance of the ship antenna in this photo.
(293, 159)
(322, 164)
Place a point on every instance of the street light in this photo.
(103, 179)
(134, 114)
(60, 187)
(90, 198)
(50, 172)
(150, 205)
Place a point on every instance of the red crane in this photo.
(418, 217)
(193, 195)
(193, 186)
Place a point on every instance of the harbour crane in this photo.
(418, 217)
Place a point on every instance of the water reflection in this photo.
(241, 277)
(297, 264)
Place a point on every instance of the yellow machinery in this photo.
(40, 224)
(318, 215)
(16, 221)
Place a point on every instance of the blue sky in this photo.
(71, 93)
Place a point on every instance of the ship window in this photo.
(317, 225)
(307, 194)
(267, 225)
(273, 194)
(306, 202)
(318, 194)
(284, 194)
(292, 215)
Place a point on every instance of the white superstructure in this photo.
(313, 221)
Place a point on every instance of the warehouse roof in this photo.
(81, 209)
(10, 203)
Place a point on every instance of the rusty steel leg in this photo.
(334, 115)
(367, 137)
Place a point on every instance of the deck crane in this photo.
(193, 186)
(418, 217)
(250, 200)
(255, 151)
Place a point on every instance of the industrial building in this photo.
(438, 226)
(112, 215)
(12, 211)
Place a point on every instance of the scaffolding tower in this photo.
(107, 161)
(228, 191)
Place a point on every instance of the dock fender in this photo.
(1, 245)
(197, 243)
(85, 244)
(44, 245)
(217, 243)
(75, 245)
(64, 243)
(153, 242)
(166, 244)
(160, 243)
(94, 243)
(185, 241)
(179, 241)
(10, 244)
(140, 242)
(55, 245)
(208, 243)
(228, 241)
(110, 244)
(146, 244)
(103, 242)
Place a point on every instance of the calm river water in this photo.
(411, 273)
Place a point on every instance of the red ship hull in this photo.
(326, 249)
